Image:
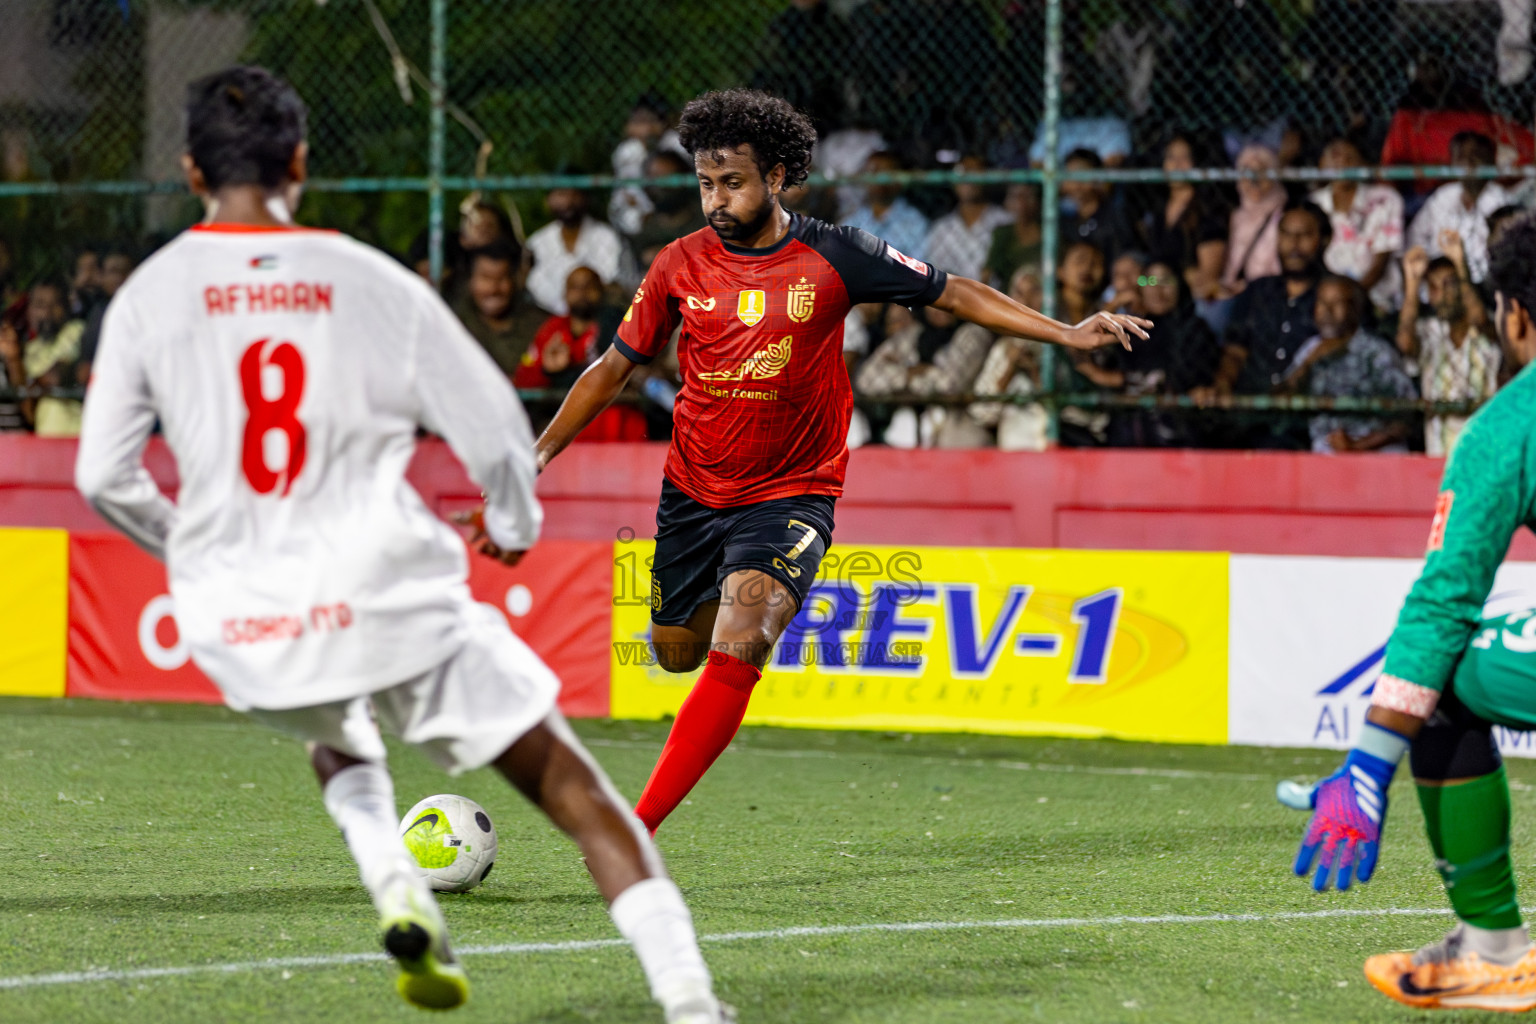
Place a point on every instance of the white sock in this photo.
(652, 916)
(361, 799)
(1503, 946)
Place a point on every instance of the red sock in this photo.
(703, 729)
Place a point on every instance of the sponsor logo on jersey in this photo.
(751, 307)
(1437, 525)
(802, 301)
(629, 314)
(264, 263)
(707, 305)
(762, 364)
(901, 257)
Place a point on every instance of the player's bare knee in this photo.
(679, 656)
(753, 646)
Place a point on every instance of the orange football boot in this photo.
(1443, 975)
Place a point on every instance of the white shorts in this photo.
(463, 714)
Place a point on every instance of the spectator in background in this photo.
(482, 222)
(1079, 291)
(1457, 360)
(1343, 361)
(1088, 123)
(1178, 357)
(1181, 350)
(13, 374)
(1436, 109)
(958, 241)
(573, 239)
(494, 308)
(842, 154)
(1367, 227)
(8, 294)
(85, 284)
(1012, 368)
(564, 346)
(1499, 219)
(674, 212)
(1342, 50)
(116, 265)
(885, 214)
(936, 356)
(1016, 244)
(1271, 320)
(1254, 227)
(1080, 281)
(1124, 292)
(804, 59)
(418, 256)
(1462, 207)
(1189, 230)
(646, 133)
(1087, 214)
(49, 355)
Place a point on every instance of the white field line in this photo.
(524, 948)
(963, 762)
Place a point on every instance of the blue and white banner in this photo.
(1308, 637)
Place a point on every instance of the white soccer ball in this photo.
(452, 841)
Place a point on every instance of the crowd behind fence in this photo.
(1299, 193)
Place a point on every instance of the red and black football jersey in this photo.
(765, 402)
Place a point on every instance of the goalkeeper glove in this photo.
(1348, 808)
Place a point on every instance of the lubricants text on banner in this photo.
(1078, 643)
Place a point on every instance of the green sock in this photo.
(1468, 826)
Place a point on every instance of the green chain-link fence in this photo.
(538, 94)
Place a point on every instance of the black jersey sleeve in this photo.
(873, 270)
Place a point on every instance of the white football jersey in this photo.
(289, 370)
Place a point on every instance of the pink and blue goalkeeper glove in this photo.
(1348, 808)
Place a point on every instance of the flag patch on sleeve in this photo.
(901, 257)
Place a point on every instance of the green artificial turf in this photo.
(146, 836)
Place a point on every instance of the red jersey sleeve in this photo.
(653, 314)
(530, 372)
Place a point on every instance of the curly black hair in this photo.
(1512, 262)
(776, 131)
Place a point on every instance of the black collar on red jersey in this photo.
(767, 250)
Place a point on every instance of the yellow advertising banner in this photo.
(1130, 644)
(34, 612)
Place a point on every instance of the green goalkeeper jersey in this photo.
(1488, 492)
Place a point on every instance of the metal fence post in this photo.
(1050, 206)
(436, 128)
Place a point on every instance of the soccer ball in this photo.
(452, 841)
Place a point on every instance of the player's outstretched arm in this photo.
(593, 392)
(980, 304)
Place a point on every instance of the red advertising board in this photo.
(123, 643)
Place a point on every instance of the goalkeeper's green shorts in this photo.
(1496, 679)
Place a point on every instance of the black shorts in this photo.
(698, 546)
